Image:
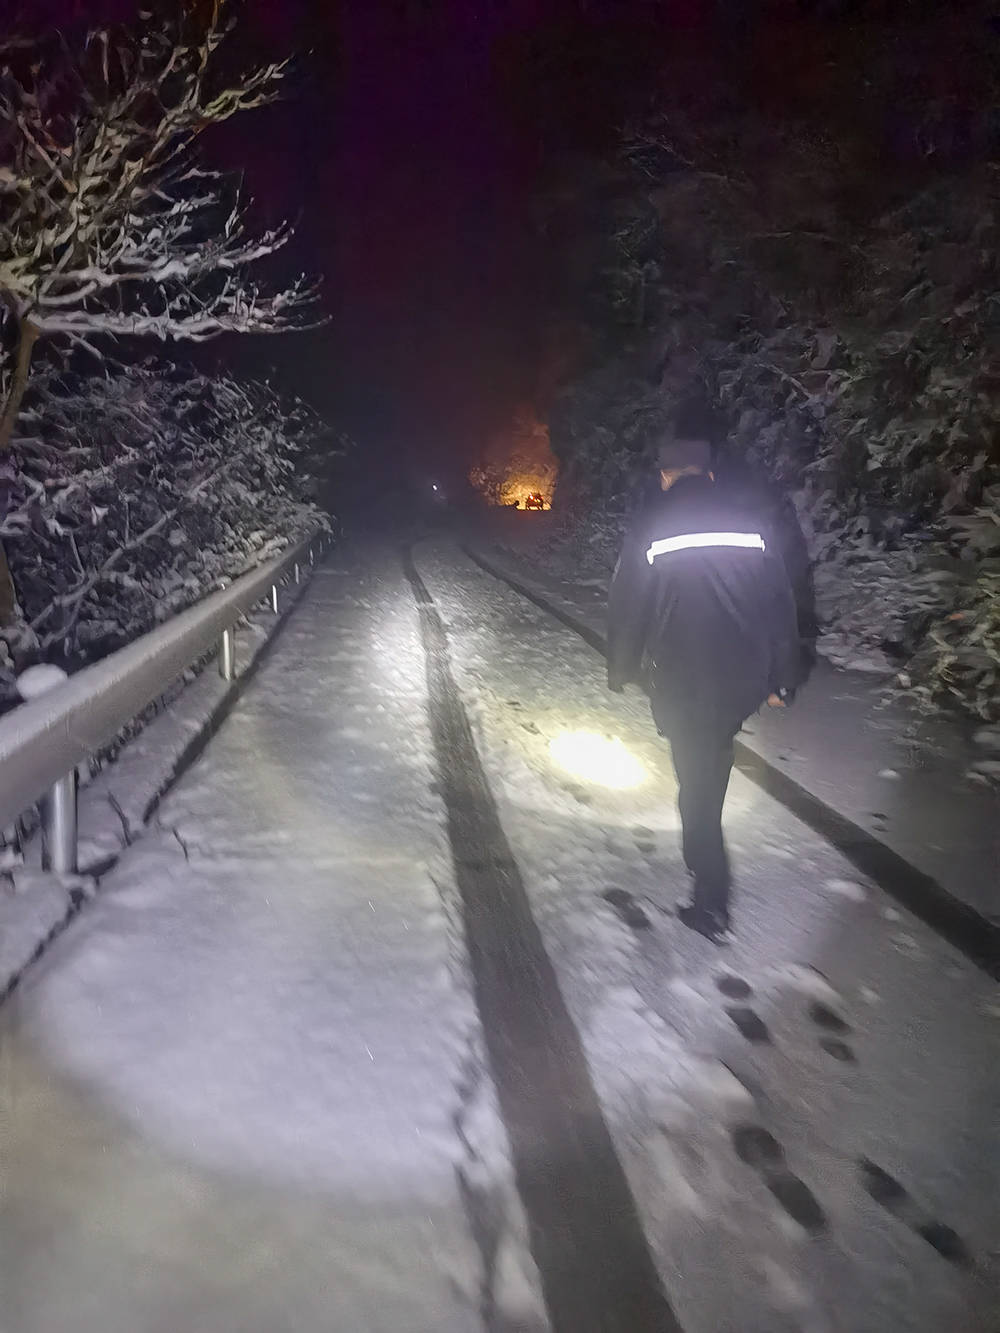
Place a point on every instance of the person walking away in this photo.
(701, 613)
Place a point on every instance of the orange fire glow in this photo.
(518, 464)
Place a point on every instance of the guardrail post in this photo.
(58, 806)
(227, 654)
(59, 840)
(274, 598)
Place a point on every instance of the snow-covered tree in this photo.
(109, 224)
(139, 487)
(847, 329)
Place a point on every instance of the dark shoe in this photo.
(713, 925)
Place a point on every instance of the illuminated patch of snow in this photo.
(846, 888)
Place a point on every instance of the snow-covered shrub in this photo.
(111, 224)
(854, 357)
(130, 493)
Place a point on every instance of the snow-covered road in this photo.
(243, 1093)
(248, 1091)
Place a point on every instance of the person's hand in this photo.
(775, 701)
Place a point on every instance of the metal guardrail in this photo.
(43, 740)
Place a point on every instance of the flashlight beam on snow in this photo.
(603, 760)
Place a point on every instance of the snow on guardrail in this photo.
(45, 738)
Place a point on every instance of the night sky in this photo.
(410, 141)
(413, 135)
(417, 135)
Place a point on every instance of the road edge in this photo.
(80, 889)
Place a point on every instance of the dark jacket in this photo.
(711, 630)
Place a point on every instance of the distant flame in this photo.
(519, 490)
(517, 463)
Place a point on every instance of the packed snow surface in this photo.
(232, 1087)
(245, 1091)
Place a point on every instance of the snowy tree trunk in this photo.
(28, 336)
(19, 382)
(8, 596)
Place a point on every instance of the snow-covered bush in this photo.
(854, 354)
(130, 493)
(110, 223)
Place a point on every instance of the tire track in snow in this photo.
(587, 1240)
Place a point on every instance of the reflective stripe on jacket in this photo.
(700, 608)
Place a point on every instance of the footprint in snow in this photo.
(838, 1049)
(762, 1152)
(733, 987)
(749, 1024)
(894, 1197)
(825, 1017)
(631, 912)
(822, 1013)
(836, 1027)
(746, 1020)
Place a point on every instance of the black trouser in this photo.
(703, 760)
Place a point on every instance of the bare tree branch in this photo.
(107, 223)
(109, 226)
